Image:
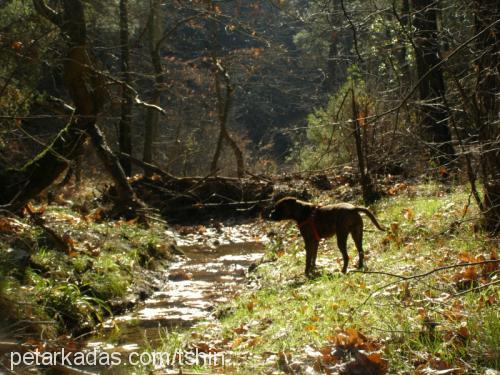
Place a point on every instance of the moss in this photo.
(76, 290)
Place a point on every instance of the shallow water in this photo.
(212, 271)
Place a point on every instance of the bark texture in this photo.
(152, 118)
(433, 111)
(125, 126)
(488, 47)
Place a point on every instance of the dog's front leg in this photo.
(311, 253)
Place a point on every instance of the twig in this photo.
(151, 167)
(419, 276)
(370, 119)
(470, 170)
(476, 288)
(60, 242)
(64, 369)
(354, 33)
(379, 273)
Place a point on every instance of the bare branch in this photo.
(44, 10)
(371, 119)
(418, 276)
(354, 32)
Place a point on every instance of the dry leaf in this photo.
(409, 214)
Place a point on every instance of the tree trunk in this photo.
(434, 114)
(86, 91)
(19, 186)
(370, 195)
(339, 43)
(125, 126)
(487, 48)
(152, 118)
(223, 108)
(125, 193)
(401, 51)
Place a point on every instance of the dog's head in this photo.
(283, 209)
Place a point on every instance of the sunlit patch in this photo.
(212, 271)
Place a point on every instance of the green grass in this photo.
(74, 290)
(418, 322)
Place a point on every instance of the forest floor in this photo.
(408, 312)
(385, 320)
(67, 272)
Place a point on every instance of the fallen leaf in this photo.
(241, 329)
(409, 214)
(394, 227)
(310, 327)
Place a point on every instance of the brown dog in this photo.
(317, 222)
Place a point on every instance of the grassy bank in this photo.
(386, 320)
(67, 278)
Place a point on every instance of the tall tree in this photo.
(401, 51)
(368, 190)
(154, 27)
(125, 127)
(224, 101)
(224, 104)
(340, 42)
(486, 13)
(434, 114)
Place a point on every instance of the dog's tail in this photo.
(371, 216)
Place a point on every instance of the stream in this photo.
(212, 270)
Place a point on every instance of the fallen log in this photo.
(198, 199)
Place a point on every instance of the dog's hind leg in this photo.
(342, 244)
(357, 236)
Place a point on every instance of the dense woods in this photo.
(154, 112)
(250, 87)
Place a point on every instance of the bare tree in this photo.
(486, 13)
(434, 114)
(154, 27)
(369, 192)
(125, 126)
(224, 103)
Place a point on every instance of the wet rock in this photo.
(120, 305)
(180, 275)
(174, 249)
(19, 258)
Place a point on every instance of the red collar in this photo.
(310, 221)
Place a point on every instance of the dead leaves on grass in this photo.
(472, 276)
(397, 188)
(437, 366)
(349, 352)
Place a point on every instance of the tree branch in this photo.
(418, 276)
(354, 32)
(44, 10)
(371, 119)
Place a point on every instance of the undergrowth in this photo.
(54, 291)
(445, 320)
